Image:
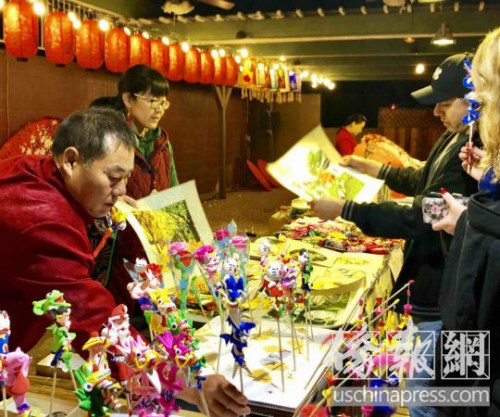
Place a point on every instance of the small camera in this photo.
(434, 208)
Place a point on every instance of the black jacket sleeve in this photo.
(391, 220)
(401, 180)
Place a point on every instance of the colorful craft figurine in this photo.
(239, 330)
(4, 331)
(97, 391)
(14, 377)
(306, 269)
(183, 260)
(59, 311)
(170, 386)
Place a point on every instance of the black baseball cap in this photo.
(447, 82)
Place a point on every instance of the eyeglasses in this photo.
(155, 103)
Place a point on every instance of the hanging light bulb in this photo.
(77, 24)
(282, 58)
(2, 3)
(185, 46)
(237, 58)
(127, 31)
(165, 40)
(72, 16)
(145, 35)
(215, 53)
(39, 8)
(222, 52)
(420, 68)
(304, 74)
(443, 36)
(104, 25)
(244, 53)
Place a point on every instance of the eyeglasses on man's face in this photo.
(155, 103)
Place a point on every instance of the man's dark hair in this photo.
(355, 118)
(88, 131)
(107, 102)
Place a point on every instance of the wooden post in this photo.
(222, 95)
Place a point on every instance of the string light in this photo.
(127, 31)
(420, 69)
(165, 40)
(185, 46)
(222, 52)
(145, 35)
(244, 53)
(39, 8)
(104, 25)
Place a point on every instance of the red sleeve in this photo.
(345, 143)
(58, 256)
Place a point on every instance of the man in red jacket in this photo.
(47, 205)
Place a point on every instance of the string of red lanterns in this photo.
(119, 50)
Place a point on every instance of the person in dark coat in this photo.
(470, 290)
(424, 254)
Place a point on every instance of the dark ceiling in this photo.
(342, 40)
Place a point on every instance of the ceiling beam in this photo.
(336, 28)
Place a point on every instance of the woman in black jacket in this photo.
(470, 290)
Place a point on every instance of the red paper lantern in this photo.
(20, 28)
(117, 50)
(177, 61)
(59, 38)
(207, 68)
(219, 70)
(140, 50)
(231, 71)
(192, 67)
(90, 45)
(159, 56)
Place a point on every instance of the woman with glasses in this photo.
(142, 96)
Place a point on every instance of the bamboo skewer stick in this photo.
(4, 397)
(53, 390)
(281, 352)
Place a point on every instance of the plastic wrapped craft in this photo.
(379, 148)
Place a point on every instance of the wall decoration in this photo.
(159, 56)
(177, 62)
(140, 50)
(59, 38)
(20, 29)
(192, 67)
(117, 50)
(89, 45)
(207, 68)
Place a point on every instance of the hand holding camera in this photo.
(443, 210)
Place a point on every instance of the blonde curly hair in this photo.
(486, 79)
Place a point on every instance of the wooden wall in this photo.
(415, 130)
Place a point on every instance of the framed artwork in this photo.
(175, 214)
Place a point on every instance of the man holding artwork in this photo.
(424, 249)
